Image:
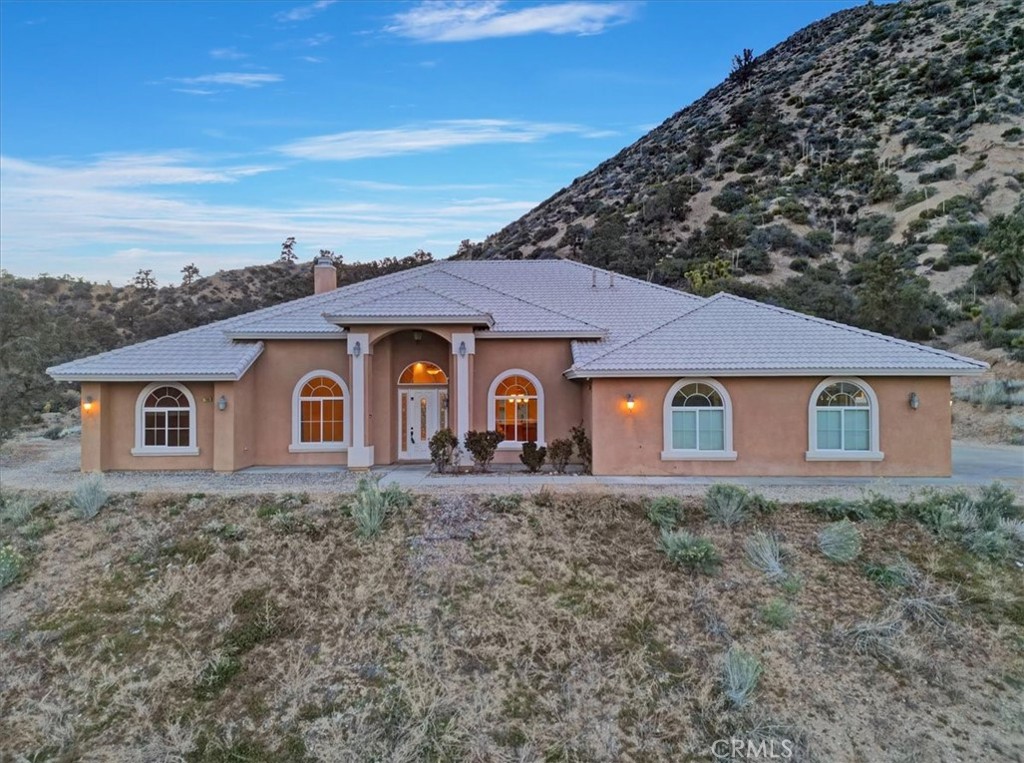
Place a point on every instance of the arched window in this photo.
(319, 413)
(516, 408)
(165, 421)
(843, 421)
(698, 421)
(422, 372)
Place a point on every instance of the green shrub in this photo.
(899, 574)
(215, 675)
(741, 672)
(764, 553)
(759, 504)
(533, 456)
(89, 498)
(559, 453)
(726, 504)
(372, 506)
(840, 508)
(690, 551)
(482, 446)
(947, 172)
(444, 449)
(504, 503)
(584, 448)
(664, 511)
(11, 565)
(17, 508)
(840, 541)
(777, 614)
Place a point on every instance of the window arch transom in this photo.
(165, 421)
(319, 413)
(843, 421)
(698, 421)
(516, 408)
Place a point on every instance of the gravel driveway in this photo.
(53, 466)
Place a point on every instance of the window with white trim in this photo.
(698, 421)
(516, 408)
(843, 421)
(319, 413)
(165, 421)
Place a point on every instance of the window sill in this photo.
(516, 445)
(165, 451)
(316, 447)
(844, 455)
(698, 455)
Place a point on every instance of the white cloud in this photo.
(232, 79)
(304, 12)
(316, 40)
(456, 21)
(434, 136)
(228, 54)
(122, 171)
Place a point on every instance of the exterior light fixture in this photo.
(462, 349)
(357, 350)
(630, 402)
(87, 403)
(914, 401)
(417, 336)
(222, 403)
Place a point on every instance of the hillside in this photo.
(876, 147)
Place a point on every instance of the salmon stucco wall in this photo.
(770, 429)
(547, 359)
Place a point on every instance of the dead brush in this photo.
(879, 638)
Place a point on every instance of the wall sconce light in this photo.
(417, 336)
(630, 402)
(914, 401)
(222, 403)
(357, 350)
(87, 403)
(462, 349)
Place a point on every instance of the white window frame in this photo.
(686, 454)
(297, 445)
(492, 398)
(141, 449)
(814, 453)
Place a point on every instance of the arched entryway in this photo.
(422, 408)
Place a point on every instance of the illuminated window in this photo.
(422, 372)
(516, 401)
(319, 420)
(165, 421)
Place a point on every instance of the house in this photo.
(666, 383)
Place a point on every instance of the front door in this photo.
(420, 417)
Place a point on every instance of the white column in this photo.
(463, 345)
(360, 456)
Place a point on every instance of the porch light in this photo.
(357, 350)
(87, 403)
(462, 349)
(630, 402)
(417, 336)
(914, 401)
(222, 403)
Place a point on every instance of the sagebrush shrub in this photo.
(741, 672)
(690, 551)
(17, 509)
(371, 505)
(664, 511)
(764, 553)
(89, 498)
(726, 504)
(840, 541)
(11, 564)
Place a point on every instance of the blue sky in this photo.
(153, 134)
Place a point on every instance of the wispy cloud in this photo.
(124, 171)
(228, 54)
(456, 21)
(417, 139)
(304, 12)
(316, 40)
(230, 79)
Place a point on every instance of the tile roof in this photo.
(618, 324)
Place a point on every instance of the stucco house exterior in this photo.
(666, 383)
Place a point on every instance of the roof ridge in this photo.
(641, 335)
(527, 302)
(427, 289)
(854, 329)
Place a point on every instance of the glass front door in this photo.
(421, 412)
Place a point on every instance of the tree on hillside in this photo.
(144, 280)
(742, 66)
(189, 274)
(893, 301)
(1005, 242)
(288, 250)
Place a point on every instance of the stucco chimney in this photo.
(325, 276)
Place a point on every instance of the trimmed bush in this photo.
(840, 541)
(664, 511)
(89, 498)
(740, 673)
(763, 552)
(482, 447)
(444, 449)
(533, 457)
(584, 448)
(690, 551)
(559, 453)
(726, 504)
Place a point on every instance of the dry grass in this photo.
(210, 629)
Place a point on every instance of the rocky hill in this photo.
(875, 148)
